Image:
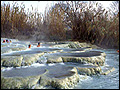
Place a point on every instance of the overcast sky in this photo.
(42, 4)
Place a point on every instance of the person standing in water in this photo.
(29, 46)
(38, 44)
(3, 41)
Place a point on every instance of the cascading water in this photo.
(110, 81)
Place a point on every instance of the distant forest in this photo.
(64, 21)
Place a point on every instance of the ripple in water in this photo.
(110, 81)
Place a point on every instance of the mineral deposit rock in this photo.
(11, 61)
(21, 68)
(5, 50)
(29, 59)
(91, 57)
(89, 70)
(46, 50)
(54, 59)
(61, 77)
(3, 45)
(56, 44)
(18, 48)
(80, 45)
(61, 45)
(107, 70)
(58, 76)
(72, 50)
(75, 45)
(18, 59)
(21, 78)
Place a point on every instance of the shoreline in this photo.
(80, 41)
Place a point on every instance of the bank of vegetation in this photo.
(66, 20)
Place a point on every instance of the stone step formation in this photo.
(23, 68)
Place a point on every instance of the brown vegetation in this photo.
(70, 20)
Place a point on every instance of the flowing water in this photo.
(110, 81)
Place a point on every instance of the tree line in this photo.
(66, 20)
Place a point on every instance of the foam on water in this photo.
(51, 64)
(12, 52)
(35, 46)
(42, 59)
(27, 49)
(18, 67)
(85, 78)
(62, 63)
(33, 65)
(25, 66)
(37, 65)
(7, 69)
(88, 64)
(43, 46)
(7, 53)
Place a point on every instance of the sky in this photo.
(42, 4)
(105, 3)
